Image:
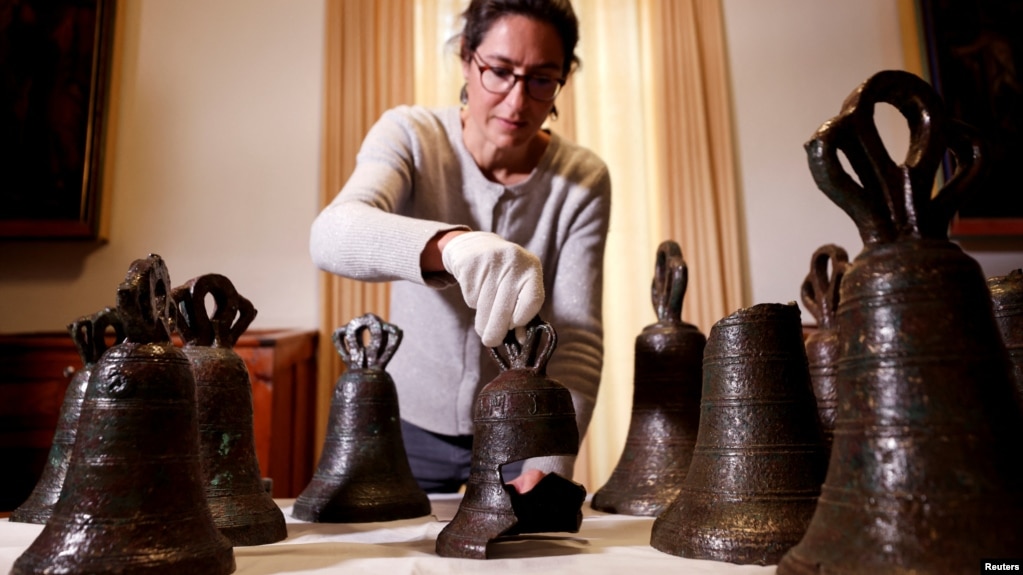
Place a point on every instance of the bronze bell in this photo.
(133, 497)
(924, 474)
(665, 401)
(242, 509)
(521, 413)
(1007, 299)
(89, 336)
(363, 474)
(820, 296)
(759, 458)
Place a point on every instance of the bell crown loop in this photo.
(533, 353)
(384, 339)
(232, 313)
(89, 333)
(144, 303)
(668, 288)
(820, 290)
(895, 202)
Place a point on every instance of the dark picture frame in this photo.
(974, 52)
(55, 61)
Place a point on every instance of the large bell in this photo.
(1007, 299)
(521, 413)
(133, 497)
(89, 335)
(242, 509)
(820, 296)
(759, 459)
(924, 475)
(363, 474)
(665, 401)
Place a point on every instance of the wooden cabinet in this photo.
(35, 370)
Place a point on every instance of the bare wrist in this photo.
(430, 259)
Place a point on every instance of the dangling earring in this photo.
(554, 112)
(463, 97)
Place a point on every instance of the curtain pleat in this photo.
(653, 101)
(369, 65)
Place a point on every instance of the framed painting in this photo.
(55, 59)
(974, 52)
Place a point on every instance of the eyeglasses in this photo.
(497, 80)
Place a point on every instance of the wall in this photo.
(793, 62)
(216, 165)
(217, 155)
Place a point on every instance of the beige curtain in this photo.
(368, 70)
(651, 98)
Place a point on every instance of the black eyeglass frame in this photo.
(525, 78)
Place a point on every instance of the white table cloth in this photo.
(605, 544)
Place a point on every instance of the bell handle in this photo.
(391, 338)
(89, 333)
(668, 288)
(384, 339)
(820, 290)
(193, 325)
(894, 201)
(232, 313)
(144, 302)
(533, 353)
(966, 148)
(867, 211)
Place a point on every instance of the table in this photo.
(606, 543)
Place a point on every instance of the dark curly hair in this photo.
(480, 15)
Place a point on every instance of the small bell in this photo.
(133, 498)
(759, 459)
(522, 413)
(89, 335)
(242, 509)
(665, 401)
(363, 474)
(820, 296)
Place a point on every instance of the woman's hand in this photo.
(527, 481)
(499, 279)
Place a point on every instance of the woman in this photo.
(482, 198)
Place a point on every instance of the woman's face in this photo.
(523, 46)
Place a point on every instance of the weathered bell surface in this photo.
(363, 474)
(521, 413)
(89, 335)
(1007, 299)
(242, 509)
(665, 401)
(759, 459)
(820, 296)
(133, 497)
(924, 475)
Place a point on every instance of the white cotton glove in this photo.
(499, 279)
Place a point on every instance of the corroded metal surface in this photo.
(89, 336)
(759, 459)
(665, 400)
(364, 474)
(1007, 299)
(133, 498)
(522, 413)
(924, 475)
(242, 509)
(820, 294)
